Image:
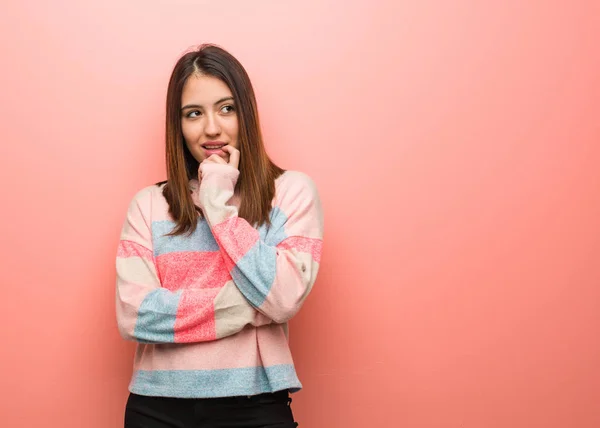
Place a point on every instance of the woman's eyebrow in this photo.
(199, 106)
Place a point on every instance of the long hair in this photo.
(256, 182)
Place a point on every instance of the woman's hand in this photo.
(234, 159)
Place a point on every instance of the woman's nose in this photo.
(212, 126)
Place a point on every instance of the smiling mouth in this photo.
(213, 146)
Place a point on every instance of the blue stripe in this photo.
(254, 273)
(156, 317)
(215, 383)
(201, 240)
(276, 233)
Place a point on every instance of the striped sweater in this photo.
(209, 310)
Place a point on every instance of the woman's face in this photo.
(208, 117)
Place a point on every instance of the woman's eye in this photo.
(193, 114)
(227, 109)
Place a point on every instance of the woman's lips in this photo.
(213, 148)
(209, 152)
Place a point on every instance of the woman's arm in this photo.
(149, 313)
(275, 277)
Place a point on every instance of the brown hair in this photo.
(256, 182)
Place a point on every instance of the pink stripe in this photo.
(306, 245)
(192, 269)
(196, 308)
(237, 236)
(269, 340)
(219, 354)
(133, 249)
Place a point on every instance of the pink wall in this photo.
(456, 147)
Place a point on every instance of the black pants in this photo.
(259, 411)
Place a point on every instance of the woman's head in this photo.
(208, 116)
(210, 98)
(211, 102)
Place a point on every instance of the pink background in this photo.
(456, 148)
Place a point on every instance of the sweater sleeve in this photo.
(275, 274)
(148, 313)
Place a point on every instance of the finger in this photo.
(234, 156)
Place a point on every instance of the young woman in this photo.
(213, 262)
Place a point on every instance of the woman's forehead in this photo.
(203, 89)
